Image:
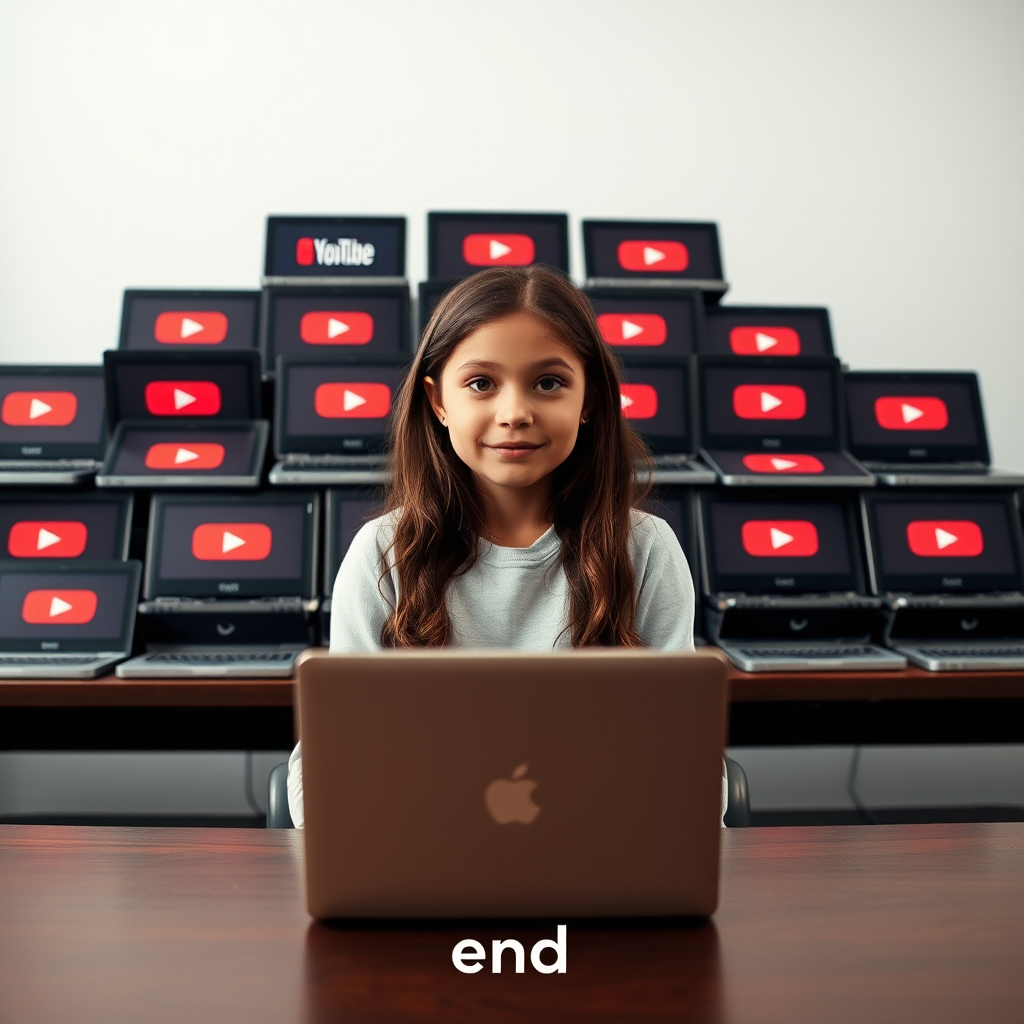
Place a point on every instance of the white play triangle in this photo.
(184, 455)
(769, 401)
(182, 398)
(783, 463)
(630, 330)
(190, 327)
(764, 341)
(58, 607)
(499, 249)
(230, 542)
(780, 538)
(943, 538)
(46, 539)
(350, 400)
(910, 413)
(626, 401)
(38, 408)
(652, 255)
(336, 327)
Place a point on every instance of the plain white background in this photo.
(867, 156)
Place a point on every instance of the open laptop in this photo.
(764, 422)
(655, 398)
(53, 424)
(785, 584)
(499, 784)
(331, 418)
(950, 567)
(330, 248)
(90, 526)
(768, 331)
(922, 430)
(459, 244)
(196, 319)
(654, 253)
(66, 620)
(230, 585)
(637, 320)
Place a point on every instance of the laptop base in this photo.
(58, 666)
(811, 656)
(286, 474)
(47, 473)
(970, 657)
(841, 470)
(908, 475)
(208, 662)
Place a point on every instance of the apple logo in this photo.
(510, 800)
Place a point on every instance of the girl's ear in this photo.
(433, 391)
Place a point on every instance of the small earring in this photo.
(583, 419)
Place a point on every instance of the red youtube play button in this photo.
(182, 398)
(498, 250)
(68, 607)
(769, 402)
(638, 401)
(915, 413)
(783, 464)
(205, 328)
(646, 329)
(764, 341)
(185, 456)
(232, 542)
(39, 408)
(336, 328)
(780, 538)
(305, 252)
(945, 538)
(356, 401)
(661, 256)
(47, 539)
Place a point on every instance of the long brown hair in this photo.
(432, 492)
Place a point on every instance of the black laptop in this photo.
(66, 619)
(331, 417)
(768, 331)
(164, 319)
(333, 248)
(922, 430)
(230, 586)
(654, 253)
(459, 244)
(87, 525)
(766, 422)
(784, 583)
(950, 567)
(53, 424)
(645, 322)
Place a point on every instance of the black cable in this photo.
(250, 794)
(851, 790)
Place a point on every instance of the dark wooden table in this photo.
(826, 925)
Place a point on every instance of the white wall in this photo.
(868, 156)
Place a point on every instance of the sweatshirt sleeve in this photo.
(665, 598)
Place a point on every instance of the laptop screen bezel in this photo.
(905, 452)
(155, 586)
(779, 312)
(680, 276)
(664, 443)
(125, 505)
(204, 295)
(333, 222)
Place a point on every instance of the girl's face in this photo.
(512, 395)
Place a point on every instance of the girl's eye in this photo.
(550, 384)
(480, 385)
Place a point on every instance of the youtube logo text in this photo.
(780, 538)
(336, 328)
(49, 539)
(635, 329)
(764, 341)
(638, 401)
(945, 538)
(232, 542)
(357, 400)
(783, 463)
(68, 607)
(915, 413)
(182, 398)
(499, 250)
(185, 456)
(39, 408)
(346, 252)
(206, 328)
(769, 402)
(659, 256)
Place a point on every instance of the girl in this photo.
(511, 518)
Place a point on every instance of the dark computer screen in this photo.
(768, 331)
(161, 320)
(463, 243)
(347, 511)
(335, 247)
(51, 414)
(640, 249)
(33, 528)
(656, 401)
(635, 321)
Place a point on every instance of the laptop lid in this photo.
(361, 319)
(768, 331)
(764, 405)
(89, 526)
(162, 319)
(347, 510)
(655, 398)
(68, 607)
(52, 412)
(934, 542)
(339, 404)
(916, 417)
(635, 320)
(349, 247)
(430, 293)
(168, 386)
(577, 783)
(652, 250)
(774, 545)
(463, 243)
(232, 545)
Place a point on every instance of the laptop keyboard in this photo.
(49, 659)
(930, 467)
(331, 461)
(263, 657)
(672, 461)
(808, 652)
(971, 651)
(48, 465)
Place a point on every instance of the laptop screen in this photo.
(779, 547)
(335, 405)
(335, 247)
(666, 250)
(768, 331)
(215, 452)
(430, 293)
(951, 543)
(462, 243)
(182, 385)
(634, 320)
(86, 527)
(159, 320)
(88, 607)
(655, 398)
(52, 412)
(765, 406)
(348, 509)
(916, 417)
(223, 546)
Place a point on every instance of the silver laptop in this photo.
(53, 424)
(229, 587)
(950, 567)
(497, 784)
(66, 620)
(785, 591)
(922, 430)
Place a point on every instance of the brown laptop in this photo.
(498, 784)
